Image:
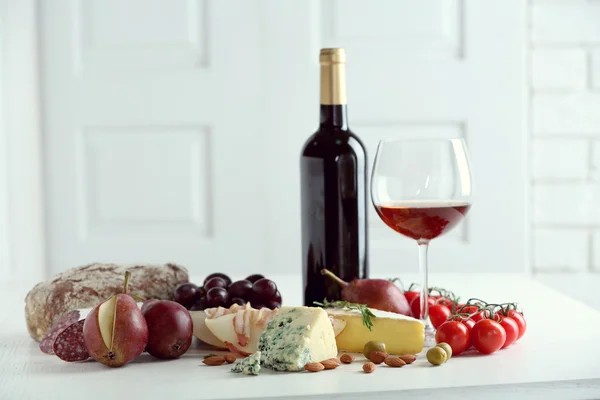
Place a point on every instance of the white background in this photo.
(170, 131)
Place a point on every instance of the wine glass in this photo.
(421, 188)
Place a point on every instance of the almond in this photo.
(230, 358)
(214, 360)
(408, 358)
(394, 362)
(331, 363)
(347, 358)
(369, 367)
(314, 367)
(377, 357)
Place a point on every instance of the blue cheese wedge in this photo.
(249, 365)
(297, 336)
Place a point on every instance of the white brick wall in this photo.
(569, 204)
(564, 159)
(595, 69)
(558, 69)
(565, 120)
(565, 22)
(564, 250)
(566, 113)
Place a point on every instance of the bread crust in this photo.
(86, 286)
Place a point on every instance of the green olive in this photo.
(373, 346)
(437, 355)
(446, 347)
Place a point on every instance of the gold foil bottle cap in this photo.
(333, 76)
(332, 56)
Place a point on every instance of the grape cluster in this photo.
(217, 290)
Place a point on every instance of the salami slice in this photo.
(69, 345)
(60, 325)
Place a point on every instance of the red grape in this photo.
(241, 289)
(263, 289)
(254, 278)
(186, 294)
(258, 306)
(237, 300)
(217, 297)
(218, 275)
(215, 282)
(272, 304)
(200, 304)
(277, 297)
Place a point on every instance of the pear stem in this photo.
(138, 298)
(127, 275)
(330, 274)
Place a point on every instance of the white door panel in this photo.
(151, 143)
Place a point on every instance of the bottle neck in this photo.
(333, 95)
(334, 116)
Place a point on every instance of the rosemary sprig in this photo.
(209, 355)
(367, 314)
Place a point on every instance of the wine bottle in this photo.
(333, 169)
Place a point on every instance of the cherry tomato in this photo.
(415, 305)
(488, 336)
(438, 314)
(466, 321)
(455, 334)
(410, 296)
(520, 320)
(469, 323)
(445, 301)
(512, 330)
(472, 311)
(465, 309)
(480, 315)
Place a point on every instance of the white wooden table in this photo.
(558, 358)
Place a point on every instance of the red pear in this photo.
(380, 294)
(147, 303)
(115, 331)
(169, 329)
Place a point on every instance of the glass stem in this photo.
(423, 247)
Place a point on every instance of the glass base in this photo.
(429, 336)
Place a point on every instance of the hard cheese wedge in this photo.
(401, 334)
(297, 336)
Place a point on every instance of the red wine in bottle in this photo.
(333, 169)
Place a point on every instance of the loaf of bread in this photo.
(86, 286)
